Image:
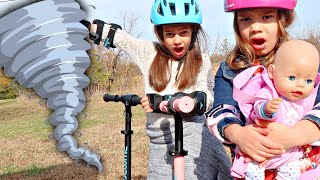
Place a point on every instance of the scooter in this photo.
(129, 101)
(180, 105)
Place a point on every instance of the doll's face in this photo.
(259, 28)
(295, 69)
(177, 38)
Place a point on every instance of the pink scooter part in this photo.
(163, 106)
(179, 168)
(184, 104)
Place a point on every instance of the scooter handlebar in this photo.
(129, 99)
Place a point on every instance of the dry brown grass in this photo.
(27, 153)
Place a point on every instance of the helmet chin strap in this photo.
(182, 59)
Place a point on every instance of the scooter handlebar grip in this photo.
(184, 104)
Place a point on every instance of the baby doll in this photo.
(285, 92)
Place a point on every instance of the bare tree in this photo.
(130, 21)
(217, 42)
(312, 35)
(221, 50)
(112, 57)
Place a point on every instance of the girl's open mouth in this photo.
(258, 43)
(178, 51)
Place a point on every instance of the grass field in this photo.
(28, 152)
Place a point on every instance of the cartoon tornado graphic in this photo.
(43, 47)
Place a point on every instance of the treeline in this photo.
(112, 71)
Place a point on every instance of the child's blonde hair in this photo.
(243, 54)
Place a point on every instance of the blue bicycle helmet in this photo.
(175, 11)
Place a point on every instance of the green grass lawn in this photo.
(28, 152)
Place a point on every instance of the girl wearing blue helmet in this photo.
(174, 64)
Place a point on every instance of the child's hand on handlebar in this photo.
(145, 104)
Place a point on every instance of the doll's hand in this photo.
(145, 104)
(272, 106)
